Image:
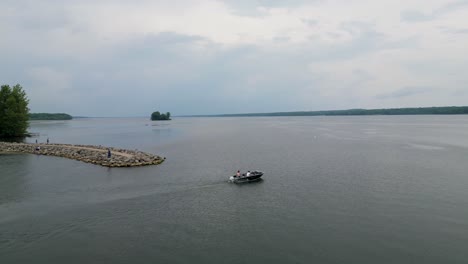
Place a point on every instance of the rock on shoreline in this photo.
(86, 153)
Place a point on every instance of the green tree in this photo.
(158, 116)
(14, 111)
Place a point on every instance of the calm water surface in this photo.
(376, 189)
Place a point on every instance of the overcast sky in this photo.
(130, 58)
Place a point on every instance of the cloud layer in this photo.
(129, 58)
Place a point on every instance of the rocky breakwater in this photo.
(91, 154)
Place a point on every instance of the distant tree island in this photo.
(49, 116)
(158, 116)
(446, 110)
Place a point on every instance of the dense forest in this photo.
(158, 116)
(448, 110)
(48, 116)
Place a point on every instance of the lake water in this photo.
(372, 189)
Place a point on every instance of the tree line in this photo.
(447, 110)
(49, 116)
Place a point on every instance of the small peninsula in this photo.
(99, 155)
(49, 116)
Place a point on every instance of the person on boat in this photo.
(248, 174)
(238, 173)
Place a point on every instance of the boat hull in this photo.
(255, 176)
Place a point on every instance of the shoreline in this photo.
(86, 153)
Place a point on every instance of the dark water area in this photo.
(372, 189)
(13, 139)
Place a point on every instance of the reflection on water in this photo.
(13, 139)
(14, 184)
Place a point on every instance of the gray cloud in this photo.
(461, 31)
(250, 7)
(460, 92)
(417, 16)
(310, 22)
(451, 7)
(364, 40)
(455, 31)
(405, 92)
(166, 70)
(89, 66)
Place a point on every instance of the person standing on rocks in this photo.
(109, 153)
(47, 140)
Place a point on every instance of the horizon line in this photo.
(269, 113)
